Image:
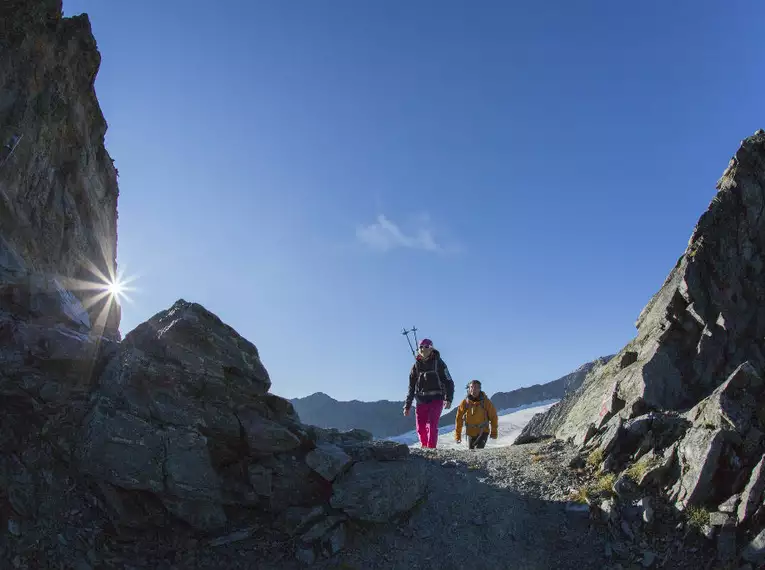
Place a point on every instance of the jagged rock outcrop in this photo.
(693, 376)
(58, 184)
(706, 320)
(168, 437)
(182, 403)
(172, 428)
(542, 425)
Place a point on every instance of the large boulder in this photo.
(183, 415)
(733, 405)
(328, 460)
(187, 368)
(379, 491)
(183, 398)
(698, 454)
(199, 355)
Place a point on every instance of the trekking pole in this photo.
(409, 342)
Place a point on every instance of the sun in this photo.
(115, 288)
(105, 289)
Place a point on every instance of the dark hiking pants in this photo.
(478, 441)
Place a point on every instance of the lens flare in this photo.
(116, 289)
(105, 291)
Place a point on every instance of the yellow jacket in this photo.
(477, 416)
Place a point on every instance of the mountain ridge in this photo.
(383, 418)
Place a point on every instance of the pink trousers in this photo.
(427, 416)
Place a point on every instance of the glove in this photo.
(493, 435)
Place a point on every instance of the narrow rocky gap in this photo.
(85, 474)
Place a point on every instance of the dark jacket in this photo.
(429, 380)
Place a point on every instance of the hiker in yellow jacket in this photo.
(479, 416)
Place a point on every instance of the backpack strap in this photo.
(486, 415)
(482, 425)
(420, 375)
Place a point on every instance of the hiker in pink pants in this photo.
(431, 385)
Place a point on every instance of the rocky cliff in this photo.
(58, 185)
(133, 448)
(154, 450)
(680, 408)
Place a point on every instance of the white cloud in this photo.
(385, 235)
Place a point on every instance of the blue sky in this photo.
(516, 179)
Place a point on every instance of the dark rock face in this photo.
(680, 407)
(702, 324)
(182, 413)
(170, 435)
(58, 185)
(173, 428)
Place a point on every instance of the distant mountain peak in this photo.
(316, 397)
